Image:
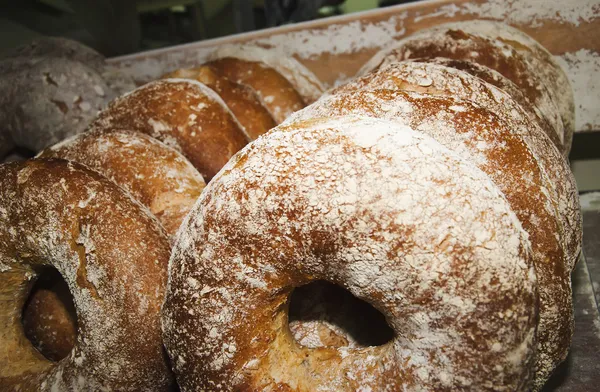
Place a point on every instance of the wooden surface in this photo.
(335, 48)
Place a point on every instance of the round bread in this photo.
(113, 255)
(185, 115)
(240, 99)
(276, 93)
(452, 43)
(443, 81)
(50, 100)
(494, 78)
(483, 138)
(303, 80)
(538, 58)
(379, 209)
(154, 174)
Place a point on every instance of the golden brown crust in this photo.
(277, 94)
(486, 140)
(494, 78)
(241, 100)
(185, 115)
(539, 59)
(154, 174)
(58, 213)
(379, 209)
(305, 82)
(455, 43)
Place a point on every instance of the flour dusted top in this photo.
(385, 212)
(185, 115)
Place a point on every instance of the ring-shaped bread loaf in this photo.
(304, 81)
(486, 140)
(539, 59)
(440, 80)
(113, 255)
(241, 100)
(379, 209)
(185, 115)
(156, 175)
(278, 81)
(454, 43)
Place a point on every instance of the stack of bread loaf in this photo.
(102, 209)
(433, 186)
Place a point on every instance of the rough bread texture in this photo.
(539, 59)
(185, 115)
(240, 99)
(113, 255)
(495, 78)
(276, 93)
(45, 100)
(379, 209)
(303, 80)
(484, 50)
(153, 173)
(486, 140)
(442, 81)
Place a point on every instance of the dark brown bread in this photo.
(185, 115)
(241, 100)
(113, 255)
(276, 93)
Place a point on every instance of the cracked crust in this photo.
(539, 59)
(154, 174)
(185, 115)
(387, 213)
(241, 100)
(456, 41)
(59, 213)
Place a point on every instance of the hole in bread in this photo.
(49, 317)
(322, 314)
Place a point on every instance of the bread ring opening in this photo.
(49, 318)
(322, 314)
